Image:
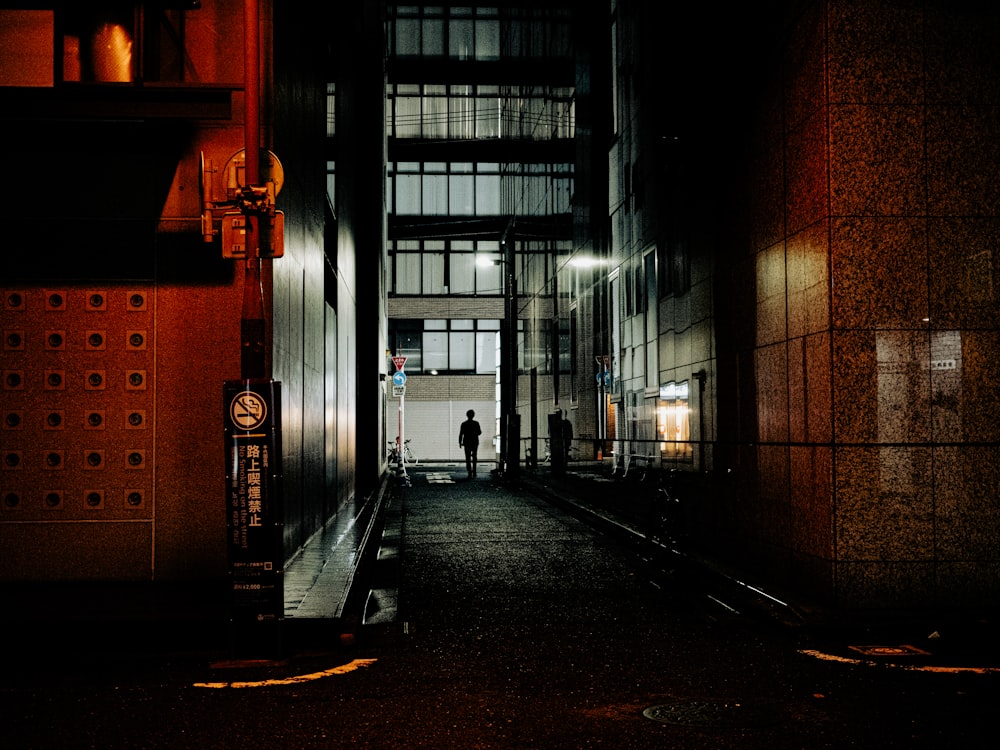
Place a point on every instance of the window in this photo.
(473, 33)
(445, 267)
(439, 189)
(651, 323)
(673, 422)
(460, 38)
(408, 343)
(438, 347)
(456, 112)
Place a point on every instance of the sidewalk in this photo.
(164, 617)
(935, 640)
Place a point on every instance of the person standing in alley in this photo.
(468, 438)
(567, 437)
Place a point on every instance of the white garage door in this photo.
(432, 428)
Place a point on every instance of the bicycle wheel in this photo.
(411, 457)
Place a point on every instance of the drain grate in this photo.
(712, 714)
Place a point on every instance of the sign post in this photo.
(399, 389)
(254, 507)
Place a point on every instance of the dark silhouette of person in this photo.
(567, 437)
(468, 438)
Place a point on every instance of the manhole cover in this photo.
(711, 714)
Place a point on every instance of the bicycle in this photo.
(573, 454)
(664, 523)
(409, 457)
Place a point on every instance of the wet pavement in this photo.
(502, 617)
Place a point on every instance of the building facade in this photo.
(482, 112)
(767, 264)
(122, 317)
(819, 218)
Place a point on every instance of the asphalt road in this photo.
(517, 626)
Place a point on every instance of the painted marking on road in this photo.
(907, 667)
(439, 477)
(294, 679)
(904, 650)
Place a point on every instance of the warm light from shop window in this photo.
(673, 419)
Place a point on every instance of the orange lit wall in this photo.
(876, 317)
(120, 324)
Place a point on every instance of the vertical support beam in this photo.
(252, 326)
(510, 424)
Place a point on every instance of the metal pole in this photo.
(400, 461)
(252, 326)
(511, 425)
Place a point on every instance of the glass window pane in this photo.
(407, 117)
(433, 37)
(435, 325)
(488, 325)
(435, 351)
(407, 273)
(433, 267)
(487, 40)
(562, 193)
(407, 194)
(487, 117)
(462, 325)
(331, 109)
(460, 39)
(565, 358)
(461, 188)
(488, 195)
(462, 117)
(461, 350)
(486, 351)
(407, 37)
(488, 274)
(408, 344)
(435, 123)
(435, 195)
(463, 273)
(331, 182)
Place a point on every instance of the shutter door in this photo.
(432, 429)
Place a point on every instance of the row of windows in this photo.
(474, 267)
(655, 275)
(471, 189)
(438, 347)
(438, 189)
(465, 189)
(427, 32)
(467, 112)
(445, 267)
(467, 33)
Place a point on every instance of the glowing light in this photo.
(293, 680)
